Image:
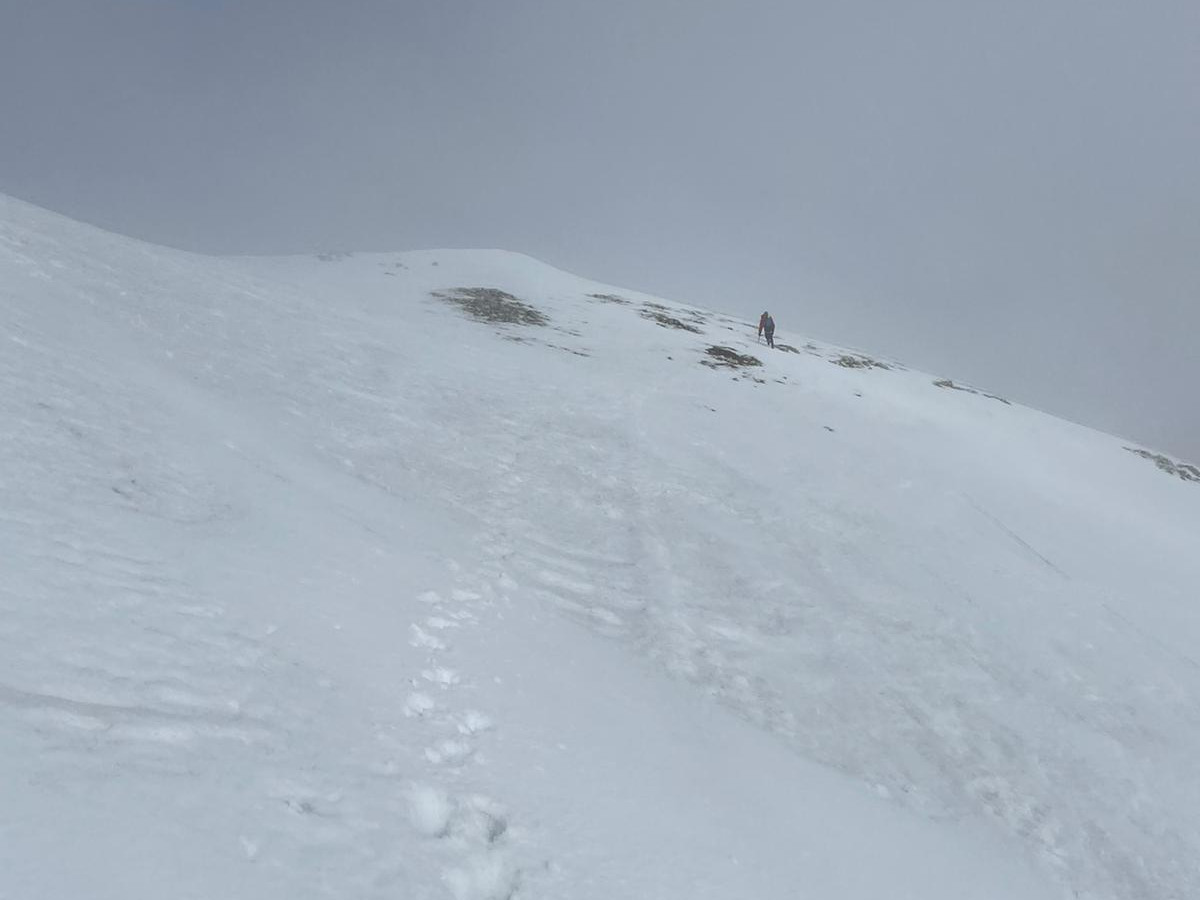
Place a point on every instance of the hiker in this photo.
(766, 326)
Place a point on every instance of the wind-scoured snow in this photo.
(447, 574)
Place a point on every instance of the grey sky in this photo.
(1002, 192)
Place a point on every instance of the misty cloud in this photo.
(1003, 194)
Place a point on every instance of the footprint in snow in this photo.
(480, 819)
(485, 876)
(440, 676)
(473, 818)
(430, 810)
(421, 638)
(474, 722)
(418, 705)
(488, 873)
(451, 751)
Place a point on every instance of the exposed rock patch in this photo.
(950, 385)
(655, 314)
(493, 305)
(728, 358)
(858, 361)
(1181, 470)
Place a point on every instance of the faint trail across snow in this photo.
(1012, 534)
(470, 831)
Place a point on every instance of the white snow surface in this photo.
(312, 585)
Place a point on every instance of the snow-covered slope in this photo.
(315, 585)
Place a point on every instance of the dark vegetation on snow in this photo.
(666, 321)
(1181, 470)
(728, 358)
(493, 305)
(858, 361)
(694, 315)
(950, 385)
(657, 313)
(786, 348)
(611, 298)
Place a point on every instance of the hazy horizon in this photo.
(1006, 196)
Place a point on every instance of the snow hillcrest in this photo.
(447, 574)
